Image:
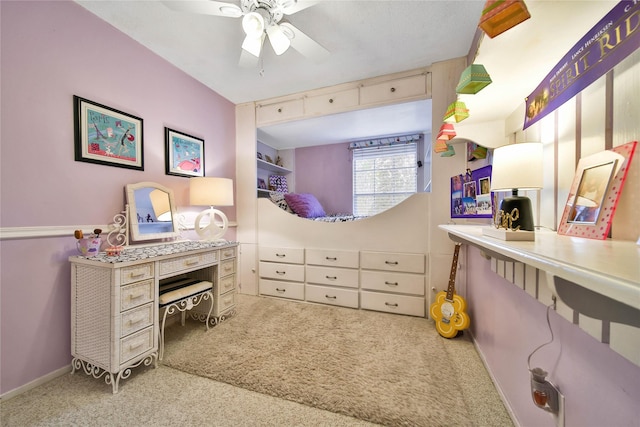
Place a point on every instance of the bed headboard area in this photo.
(403, 228)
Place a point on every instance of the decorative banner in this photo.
(611, 40)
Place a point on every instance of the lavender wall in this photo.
(325, 171)
(50, 52)
(602, 387)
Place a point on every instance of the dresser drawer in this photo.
(399, 304)
(331, 103)
(331, 276)
(227, 267)
(136, 273)
(408, 263)
(227, 253)
(136, 319)
(225, 285)
(225, 302)
(333, 296)
(288, 255)
(272, 270)
(136, 294)
(136, 344)
(276, 288)
(402, 283)
(188, 262)
(279, 111)
(335, 258)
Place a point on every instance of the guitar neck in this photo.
(452, 277)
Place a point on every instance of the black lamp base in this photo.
(525, 212)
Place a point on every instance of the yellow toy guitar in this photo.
(448, 310)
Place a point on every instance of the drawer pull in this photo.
(132, 297)
(391, 262)
(134, 322)
(228, 301)
(279, 110)
(393, 89)
(135, 345)
(135, 274)
(282, 273)
(282, 291)
(331, 258)
(192, 261)
(227, 254)
(331, 277)
(390, 304)
(391, 283)
(330, 297)
(281, 255)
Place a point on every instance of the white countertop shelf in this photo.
(607, 267)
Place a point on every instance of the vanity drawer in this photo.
(227, 267)
(399, 304)
(225, 302)
(408, 263)
(136, 319)
(188, 262)
(288, 255)
(272, 270)
(335, 258)
(136, 344)
(402, 88)
(136, 273)
(332, 276)
(225, 285)
(402, 283)
(333, 296)
(276, 288)
(227, 253)
(136, 294)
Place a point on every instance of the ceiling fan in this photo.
(261, 19)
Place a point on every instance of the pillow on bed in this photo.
(278, 199)
(304, 204)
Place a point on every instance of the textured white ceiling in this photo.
(365, 39)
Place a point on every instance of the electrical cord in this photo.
(549, 307)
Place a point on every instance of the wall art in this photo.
(107, 136)
(184, 154)
(471, 194)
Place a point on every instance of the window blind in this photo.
(383, 177)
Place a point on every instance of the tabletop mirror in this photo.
(152, 211)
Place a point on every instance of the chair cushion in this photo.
(176, 291)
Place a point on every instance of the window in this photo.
(383, 176)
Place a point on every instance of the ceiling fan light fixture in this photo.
(253, 24)
(278, 39)
(253, 45)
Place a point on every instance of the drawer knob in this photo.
(393, 89)
(330, 100)
(279, 110)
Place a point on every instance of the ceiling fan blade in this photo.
(253, 45)
(211, 7)
(304, 44)
(248, 60)
(292, 6)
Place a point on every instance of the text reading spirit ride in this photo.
(448, 310)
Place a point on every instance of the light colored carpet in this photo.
(378, 367)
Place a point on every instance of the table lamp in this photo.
(205, 191)
(160, 204)
(516, 166)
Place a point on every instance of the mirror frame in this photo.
(134, 230)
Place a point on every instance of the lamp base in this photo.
(211, 231)
(524, 217)
(502, 234)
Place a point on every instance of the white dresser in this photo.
(114, 301)
(381, 281)
(332, 277)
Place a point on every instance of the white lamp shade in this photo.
(517, 166)
(279, 41)
(205, 191)
(160, 204)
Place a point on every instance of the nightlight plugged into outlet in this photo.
(546, 395)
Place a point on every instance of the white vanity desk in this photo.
(114, 301)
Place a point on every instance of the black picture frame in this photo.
(106, 136)
(184, 154)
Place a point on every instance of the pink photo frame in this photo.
(595, 193)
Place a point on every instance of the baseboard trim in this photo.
(35, 383)
(502, 395)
